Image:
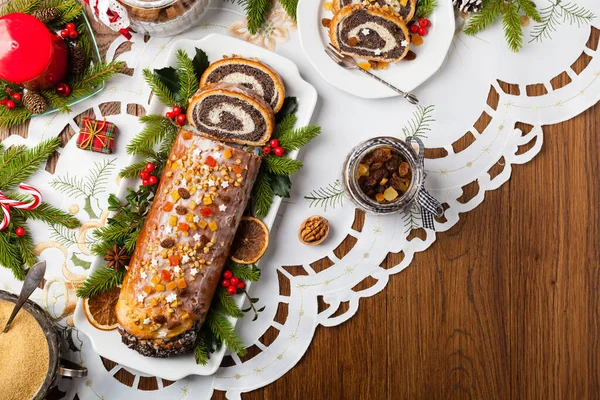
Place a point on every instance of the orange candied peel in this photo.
(174, 261)
(364, 65)
(168, 206)
(417, 40)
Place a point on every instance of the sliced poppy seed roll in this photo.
(231, 113)
(370, 33)
(404, 8)
(251, 74)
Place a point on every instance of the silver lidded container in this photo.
(412, 157)
(164, 17)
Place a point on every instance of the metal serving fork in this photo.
(349, 63)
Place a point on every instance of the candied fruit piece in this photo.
(168, 206)
(227, 153)
(187, 135)
(174, 165)
(155, 279)
(236, 169)
(165, 275)
(383, 181)
(192, 204)
(175, 195)
(328, 5)
(213, 226)
(153, 302)
(353, 41)
(202, 224)
(417, 40)
(210, 161)
(390, 194)
(206, 212)
(171, 285)
(185, 316)
(189, 217)
(363, 170)
(325, 22)
(379, 197)
(148, 289)
(172, 220)
(207, 200)
(160, 288)
(174, 261)
(181, 284)
(364, 65)
(382, 65)
(183, 227)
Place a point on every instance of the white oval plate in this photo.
(108, 343)
(405, 75)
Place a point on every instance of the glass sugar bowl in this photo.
(384, 175)
(164, 17)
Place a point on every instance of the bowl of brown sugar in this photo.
(30, 352)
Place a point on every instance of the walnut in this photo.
(313, 230)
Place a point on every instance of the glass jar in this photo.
(164, 17)
(350, 173)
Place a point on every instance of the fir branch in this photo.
(98, 178)
(290, 7)
(25, 246)
(201, 351)
(287, 124)
(100, 281)
(168, 142)
(225, 304)
(299, 137)
(330, 196)
(281, 165)
(420, 124)
(159, 88)
(574, 13)
(48, 214)
(511, 23)
(9, 155)
(256, 13)
(133, 171)
(245, 272)
(62, 235)
(224, 331)
(10, 118)
(188, 83)
(550, 19)
(262, 194)
(10, 256)
(26, 163)
(96, 75)
(529, 9)
(481, 20)
(69, 10)
(21, 6)
(156, 128)
(411, 219)
(425, 8)
(70, 185)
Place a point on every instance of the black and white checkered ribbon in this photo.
(428, 204)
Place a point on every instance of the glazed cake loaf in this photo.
(184, 245)
(252, 74)
(370, 33)
(404, 8)
(231, 113)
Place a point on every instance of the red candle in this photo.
(31, 55)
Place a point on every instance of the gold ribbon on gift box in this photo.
(94, 132)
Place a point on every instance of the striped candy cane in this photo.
(7, 203)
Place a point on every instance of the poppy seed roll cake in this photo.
(370, 33)
(404, 8)
(251, 74)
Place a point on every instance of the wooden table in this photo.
(504, 305)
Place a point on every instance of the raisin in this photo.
(379, 189)
(404, 169)
(411, 55)
(226, 199)
(325, 22)
(380, 174)
(183, 192)
(167, 243)
(398, 183)
(181, 210)
(380, 156)
(160, 319)
(376, 166)
(393, 163)
(173, 324)
(370, 183)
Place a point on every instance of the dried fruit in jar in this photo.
(384, 175)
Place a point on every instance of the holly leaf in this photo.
(78, 262)
(281, 185)
(169, 77)
(200, 63)
(290, 106)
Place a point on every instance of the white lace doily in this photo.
(464, 157)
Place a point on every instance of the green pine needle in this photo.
(298, 138)
(133, 171)
(25, 246)
(10, 256)
(100, 281)
(529, 9)
(156, 128)
(201, 351)
(159, 88)
(188, 83)
(50, 215)
(256, 13)
(420, 124)
(425, 8)
(23, 165)
(331, 195)
(286, 125)
(222, 328)
(281, 165)
(556, 13)
(10, 118)
(290, 7)
(226, 305)
(262, 194)
(483, 19)
(245, 272)
(511, 23)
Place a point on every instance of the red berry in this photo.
(227, 274)
(64, 33)
(428, 22)
(266, 150)
(241, 285)
(73, 34)
(278, 151)
(274, 143)
(414, 28)
(150, 167)
(423, 31)
(231, 290)
(144, 182)
(17, 96)
(10, 104)
(176, 110)
(71, 26)
(63, 90)
(225, 283)
(20, 231)
(169, 115)
(144, 175)
(181, 119)
(235, 280)
(3, 102)
(423, 22)
(152, 180)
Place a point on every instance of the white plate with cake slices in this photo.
(404, 74)
(108, 343)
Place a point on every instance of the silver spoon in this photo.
(32, 281)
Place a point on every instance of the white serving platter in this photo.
(405, 75)
(108, 343)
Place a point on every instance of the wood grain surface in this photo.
(504, 305)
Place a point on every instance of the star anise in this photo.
(116, 258)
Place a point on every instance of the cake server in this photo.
(32, 280)
(350, 63)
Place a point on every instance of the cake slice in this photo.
(370, 33)
(404, 8)
(252, 74)
(231, 113)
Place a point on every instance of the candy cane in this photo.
(7, 203)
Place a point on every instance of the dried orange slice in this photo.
(100, 310)
(250, 242)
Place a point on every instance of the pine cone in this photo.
(468, 6)
(76, 60)
(46, 14)
(34, 102)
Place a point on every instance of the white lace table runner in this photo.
(463, 156)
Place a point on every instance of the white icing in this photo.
(238, 78)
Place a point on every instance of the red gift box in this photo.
(97, 136)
